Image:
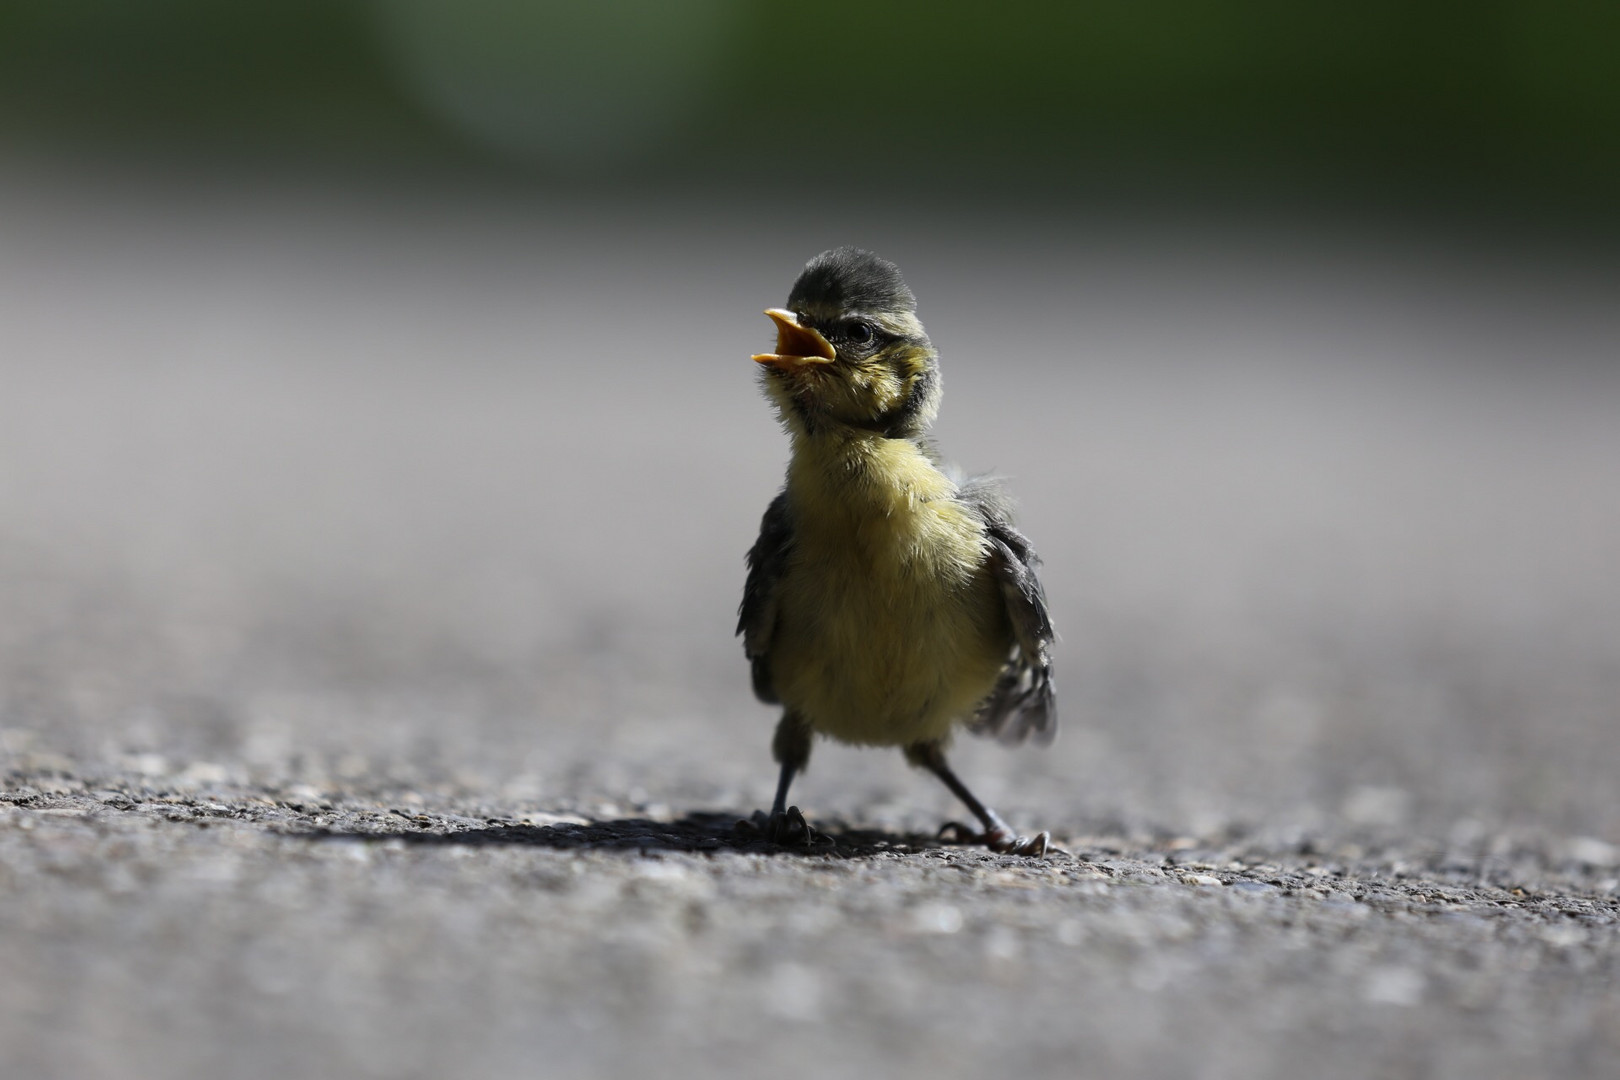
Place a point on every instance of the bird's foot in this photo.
(786, 827)
(999, 839)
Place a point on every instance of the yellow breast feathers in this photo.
(891, 627)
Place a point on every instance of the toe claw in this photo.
(759, 825)
(788, 828)
(791, 828)
(1001, 840)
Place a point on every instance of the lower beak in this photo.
(796, 345)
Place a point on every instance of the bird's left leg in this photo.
(997, 835)
(791, 747)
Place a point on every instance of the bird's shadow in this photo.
(699, 832)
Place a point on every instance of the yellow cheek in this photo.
(876, 389)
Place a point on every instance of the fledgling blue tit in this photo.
(889, 601)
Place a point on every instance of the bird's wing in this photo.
(756, 617)
(1023, 704)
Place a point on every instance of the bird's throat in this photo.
(836, 475)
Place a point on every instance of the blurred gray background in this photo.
(455, 485)
(377, 415)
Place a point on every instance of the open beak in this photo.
(796, 345)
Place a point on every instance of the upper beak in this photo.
(796, 345)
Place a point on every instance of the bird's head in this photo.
(850, 351)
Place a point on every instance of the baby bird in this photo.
(889, 600)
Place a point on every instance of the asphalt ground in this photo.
(369, 704)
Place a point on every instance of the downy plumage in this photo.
(888, 600)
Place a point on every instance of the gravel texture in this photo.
(159, 927)
(369, 705)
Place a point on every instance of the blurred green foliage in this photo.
(1513, 93)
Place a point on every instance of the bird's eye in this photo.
(860, 333)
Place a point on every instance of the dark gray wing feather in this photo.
(756, 617)
(1023, 704)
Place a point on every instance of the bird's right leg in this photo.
(998, 835)
(791, 748)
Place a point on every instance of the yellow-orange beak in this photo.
(796, 345)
